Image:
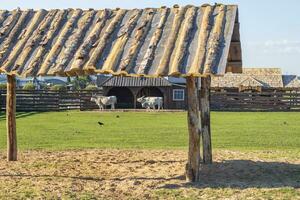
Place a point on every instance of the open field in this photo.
(67, 155)
(76, 130)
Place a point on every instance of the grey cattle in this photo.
(151, 102)
(103, 101)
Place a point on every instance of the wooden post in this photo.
(11, 118)
(134, 100)
(205, 119)
(194, 126)
(134, 92)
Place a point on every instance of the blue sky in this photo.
(270, 29)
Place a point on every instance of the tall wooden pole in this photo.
(194, 126)
(11, 118)
(205, 119)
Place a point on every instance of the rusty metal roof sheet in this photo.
(178, 41)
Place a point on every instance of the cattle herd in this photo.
(146, 102)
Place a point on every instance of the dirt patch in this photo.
(147, 174)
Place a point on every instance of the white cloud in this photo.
(283, 46)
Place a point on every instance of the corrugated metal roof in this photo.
(120, 81)
(178, 41)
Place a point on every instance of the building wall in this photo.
(167, 93)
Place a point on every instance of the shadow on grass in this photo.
(245, 174)
(18, 115)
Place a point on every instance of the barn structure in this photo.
(128, 89)
(173, 91)
(186, 41)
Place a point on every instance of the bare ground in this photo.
(148, 174)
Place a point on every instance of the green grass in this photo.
(76, 130)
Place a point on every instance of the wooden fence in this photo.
(45, 100)
(256, 101)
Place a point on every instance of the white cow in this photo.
(103, 101)
(151, 102)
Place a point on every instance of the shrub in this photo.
(91, 87)
(2, 86)
(29, 86)
(45, 86)
(81, 82)
(58, 88)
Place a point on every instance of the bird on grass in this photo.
(101, 124)
(117, 116)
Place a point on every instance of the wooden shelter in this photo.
(184, 41)
(128, 89)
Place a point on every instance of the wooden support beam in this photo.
(134, 92)
(205, 119)
(194, 126)
(11, 118)
(134, 100)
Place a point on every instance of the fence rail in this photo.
(45, 100)
(256, 101)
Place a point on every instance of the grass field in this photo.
(75, 130)
(67, 155)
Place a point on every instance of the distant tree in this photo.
(44, 86)
(91, 87)
(2, 86)
(58, 87)
(29, 86)
(80, 82)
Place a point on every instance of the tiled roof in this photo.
(266, 77)
(291, 81)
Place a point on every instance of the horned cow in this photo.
(103, 101)
(151, 102)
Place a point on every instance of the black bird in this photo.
(100, 123)
(117, 116)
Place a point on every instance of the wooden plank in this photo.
(182, 42)
(205, 119)
(203, 36)
(51, 57)
(194, 126)
(178, 18)
(11, 118)
(149, 55)
(100, 46)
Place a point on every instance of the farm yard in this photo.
(143, 155)
(182, 64)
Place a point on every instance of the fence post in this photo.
(11, 118)
(194, 126)
(80, 100)
(205, 119)
(2, 100)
